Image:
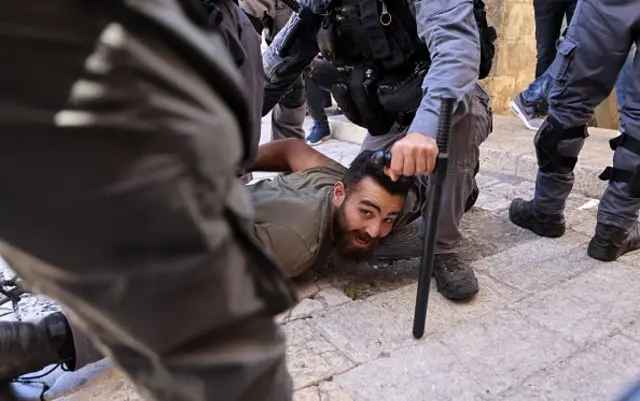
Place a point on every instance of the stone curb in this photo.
(509, 150)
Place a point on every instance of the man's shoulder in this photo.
(333, 170)
(292, 222)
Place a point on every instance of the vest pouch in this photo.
(363, 87)
(402, 97)
(340, 38)
(326, 41)
(342, 96)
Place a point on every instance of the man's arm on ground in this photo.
(290, 155)
(448, 28)
(281, 72)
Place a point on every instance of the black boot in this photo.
(611, 242)
(27, 347)
(454, 278)
(521, 213)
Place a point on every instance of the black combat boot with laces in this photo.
(454, 277)
(611, 242)
(522, 214)
(27, 347)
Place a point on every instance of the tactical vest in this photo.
(375, 42)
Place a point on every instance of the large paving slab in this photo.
(311, 358)
(366, 329)
(503, 348)
(633, 330)
(430, 371)
(602, 372)
(589, 307)
(539, 263)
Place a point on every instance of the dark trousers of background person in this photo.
(549, 15)
(319, 78)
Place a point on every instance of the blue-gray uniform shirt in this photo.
(447, 27)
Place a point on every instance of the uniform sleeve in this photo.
(449, 30)
(280, 73)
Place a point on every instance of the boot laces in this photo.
(450, 263)
(11, 291)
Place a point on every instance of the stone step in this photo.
(509, 150)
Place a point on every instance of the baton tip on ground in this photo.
(417, 334)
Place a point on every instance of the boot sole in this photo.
(462, 293)
(326, 138)
(458, 292)
(597, 254)
(557, 233)
(602, 255)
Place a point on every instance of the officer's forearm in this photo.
(452, 37)
(281, 72)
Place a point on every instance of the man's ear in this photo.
(339, 193)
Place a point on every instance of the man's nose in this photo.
(373, 229)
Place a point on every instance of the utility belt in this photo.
(378, 100)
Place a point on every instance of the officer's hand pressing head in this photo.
(366, 204)
(414, 154)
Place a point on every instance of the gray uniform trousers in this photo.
(119, 196)
(468, 132)
(584, 72)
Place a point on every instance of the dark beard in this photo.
(343, 240)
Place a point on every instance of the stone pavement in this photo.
(548, 323)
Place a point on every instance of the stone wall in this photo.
(515, 61)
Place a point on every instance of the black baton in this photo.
(434, 199)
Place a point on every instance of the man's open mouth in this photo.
(362, 241)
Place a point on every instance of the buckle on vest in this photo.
(385, 17)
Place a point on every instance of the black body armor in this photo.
(375, 43)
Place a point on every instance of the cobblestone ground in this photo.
(548, 323)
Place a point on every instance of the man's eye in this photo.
(365, 213)
(388, 220)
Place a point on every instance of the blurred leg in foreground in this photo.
(124, 127)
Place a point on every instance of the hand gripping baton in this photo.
(434, 199)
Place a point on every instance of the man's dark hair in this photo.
(362, 167)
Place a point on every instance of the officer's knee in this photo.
(296, 95)
(557, 148)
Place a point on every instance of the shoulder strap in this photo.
(376, 38)
(480, 13)
(403, 12)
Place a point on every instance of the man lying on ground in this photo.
(319, 208)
